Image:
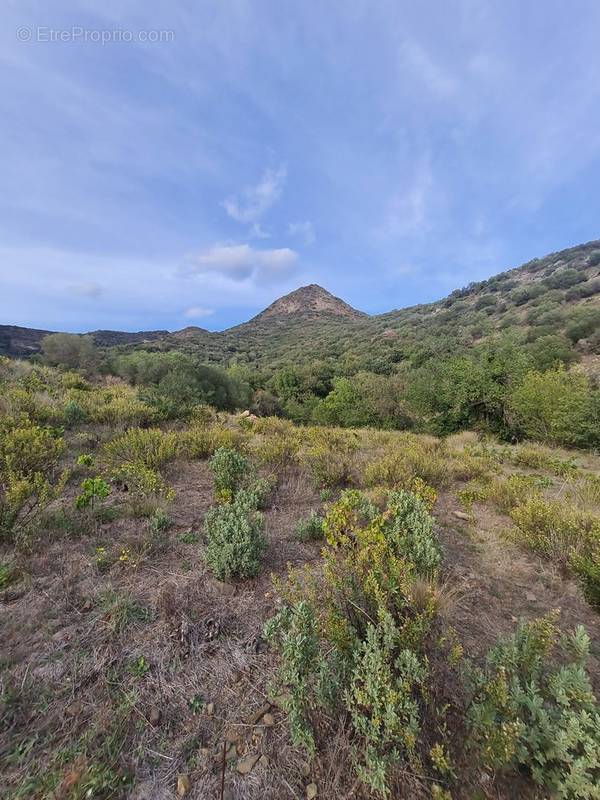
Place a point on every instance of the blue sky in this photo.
(389, 151)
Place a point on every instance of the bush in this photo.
(29, 478)
(583, 323)
(363, 654)
(150, 447)
(234, 540)
(564, 278)
(545, 718)
(310, 528)
(27, 451)
(69, 350)
(74, 414)
(328, 455)
(557, 406)
(555, 530)
(414, 458)
(254, 497)
(229, 468)
(144, 486)
(92, 490)
(159, 521)
(201, 442)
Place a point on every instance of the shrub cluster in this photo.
(234, 539)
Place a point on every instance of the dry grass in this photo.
(88, 656)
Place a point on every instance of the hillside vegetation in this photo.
(516, 355)
(212, 604)
(320, 555)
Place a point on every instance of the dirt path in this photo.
(492, 582)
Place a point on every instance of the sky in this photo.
(165, 164)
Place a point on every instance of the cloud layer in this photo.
(388, 151)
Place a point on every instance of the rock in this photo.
(210, 709)
(259, 713)
(263, 761)
(245, 413)
(74, 709)
(183, 785)
(462, 515)
(226, 589)
(232, 734)
(246, 764)
(530, 597)
(268, 720)
(311, 791)
(305, 769)
(154, 716)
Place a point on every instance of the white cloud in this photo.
(258, 232)
(304, 230)
(197, 312)
(408, 209)
(254, 201)
(239, 262)
(416, 58)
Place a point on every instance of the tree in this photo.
(70, 350)
(556, 406)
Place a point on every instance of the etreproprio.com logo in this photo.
(77, 33)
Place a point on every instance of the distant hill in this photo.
(18, 342)
(308, 302)
(558, 295)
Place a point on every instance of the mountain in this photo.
(19, 342)
(558, 295)
(308, 302)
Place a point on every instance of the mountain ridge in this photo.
(312, 311)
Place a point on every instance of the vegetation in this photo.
(415, 511)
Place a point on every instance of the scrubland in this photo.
(233, 606)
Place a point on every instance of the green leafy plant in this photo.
(159, 521)
(229, 468)
(234, 540)
(529, 712)
(92, 491)
(310, 528)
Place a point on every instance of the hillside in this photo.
(543, 297)
(547, 296)
(161, 638)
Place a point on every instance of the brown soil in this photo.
(193, 670)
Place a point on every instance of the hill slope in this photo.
(557, 294)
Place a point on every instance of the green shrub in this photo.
(144, 486)
(364, 654)
(234, 540)
(382, 699)
(150, 447)
(556, 406)
(159, 521)
(310, 528)
(583, 323)
(294, 631)
(415, 457)
(254, 497)
(92, 490)
(329, 455)
(526, 712)
(27, 451)
(229, 468)
(200, 441)
(556, 530)
(74, 414)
